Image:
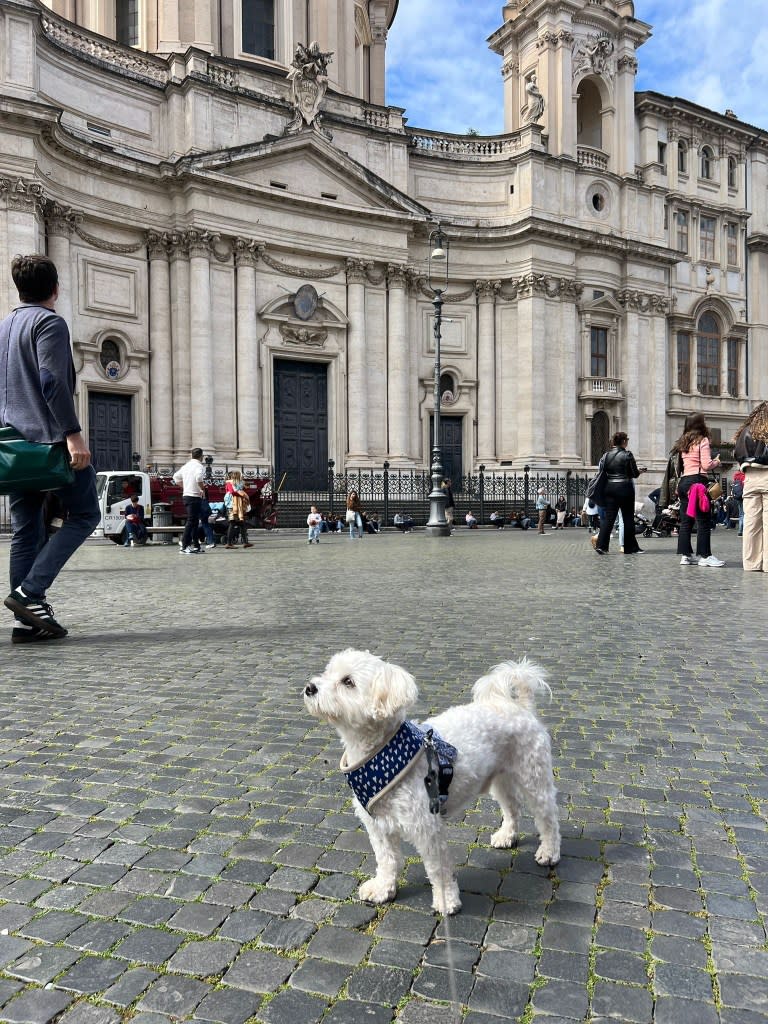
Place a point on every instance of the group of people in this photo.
(198, 529)
(327, 522)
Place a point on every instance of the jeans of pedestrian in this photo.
(703, 520)
(741, 517)
(192, 505)
(134, 531)
(356, 525)
(313, 533)
(36, 560)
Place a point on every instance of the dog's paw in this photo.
(376, 891)
(504, 838)
(547, 853)
(447, 902)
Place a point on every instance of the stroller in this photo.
(665, 522)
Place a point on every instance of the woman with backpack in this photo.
(751, 451)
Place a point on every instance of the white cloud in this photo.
(707, 51)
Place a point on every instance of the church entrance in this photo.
(451, 447)
(301, 424)
(109, 430)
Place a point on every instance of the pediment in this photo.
(307, 167)
(605, 304)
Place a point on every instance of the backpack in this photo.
(737, 489)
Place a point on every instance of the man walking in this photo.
(37, 386)
(191, 476)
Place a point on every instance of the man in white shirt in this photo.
(191, 477)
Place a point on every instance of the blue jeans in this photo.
(313, 533)
(356, 525)
(36, 560)
(134, 531)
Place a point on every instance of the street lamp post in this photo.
(437, 525)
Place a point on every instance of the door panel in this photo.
(301, 424)
(109, 430)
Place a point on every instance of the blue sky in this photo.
(712, 52)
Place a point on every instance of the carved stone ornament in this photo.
(357, 271)
(25, 196)
(549, 38)
(487, 290)
(305, 302)
(627, 63)
(309, 83)
(510, 67)
(592, 56)
(396, 275)
(643, 302)
(201, 243)
(543, 284)
(60, 220)
(247, 252)
(313, 338)
(313, 273)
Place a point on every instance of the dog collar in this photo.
(372, 778)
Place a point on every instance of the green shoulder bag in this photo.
(29, 466)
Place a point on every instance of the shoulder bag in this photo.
(714, 490)
(31, 466)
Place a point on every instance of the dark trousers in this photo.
(192, 505)
(703, 520)
(626, 505)
(237, 526)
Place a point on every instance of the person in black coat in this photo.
(619, 496)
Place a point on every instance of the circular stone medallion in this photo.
(305, 302)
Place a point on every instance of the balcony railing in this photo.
(593, 158)
(601, 387)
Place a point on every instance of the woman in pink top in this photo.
(696, 453)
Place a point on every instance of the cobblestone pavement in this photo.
(177, 842)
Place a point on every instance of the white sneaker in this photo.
(209, 547)
(711, 562)
(689, 560)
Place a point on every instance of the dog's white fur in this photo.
(503, 749)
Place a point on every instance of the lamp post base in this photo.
(437, 524)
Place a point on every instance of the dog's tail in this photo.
(511, 682)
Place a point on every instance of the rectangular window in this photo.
(733, 367)
(682, 158)
(684, 361)
(732, 239)
(708, 351)
(707, 238)
(681, 219)
(258, 17)
(599, 352)
(127, 22)
(663, 154)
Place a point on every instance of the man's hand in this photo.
(79, 452)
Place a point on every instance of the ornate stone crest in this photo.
(592, 56)
(309, 83)
(305, 302)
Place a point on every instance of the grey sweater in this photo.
(37, 375)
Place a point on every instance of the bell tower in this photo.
(570, 66)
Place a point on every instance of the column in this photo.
(633, 391)
(486, 370)
(398, 377)
(357, 390)
(179, 279)
(59, 221)
(248, 383)
(415, 281)
(200, 339)
(160, 352)
(532, 381)
(569, 340)
(742, 373)
(724, 365)
(377, 63)
(168, 31)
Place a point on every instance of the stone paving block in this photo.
(36, 1006)
(438, 984)
(8, 989)
(341, 945)
(379, 984)
(41, 964)
(257, 971)
(419, 1011)
(499, 997)
(149, 946)
(730, 1015)
(287, 934)
(227, 1006)
(86, 1013)
(130, 986)
(320, 976)
(406, 925)
(244, 925)
(91, 974)
(174, 996)
(672, 1010)
(13, 916)
(293, 1007)
(683, 982)
(620, 1002)
(565, 998)
(617, 965)
(744, 992)
(564, 966)
(358, 1013)
(150, 910)
(204, 958)
(198, 918)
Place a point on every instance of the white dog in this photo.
(501, 747)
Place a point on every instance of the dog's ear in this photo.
(393, 690)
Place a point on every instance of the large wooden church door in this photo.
(301, 424)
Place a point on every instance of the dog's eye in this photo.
(348, 681)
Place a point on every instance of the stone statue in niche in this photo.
(533, 110)
(309, 83)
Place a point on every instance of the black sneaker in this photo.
(24, 634)
(35, 612)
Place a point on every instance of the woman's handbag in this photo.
(30, 466)
(714, 490)
(351, 515)
(596, 486)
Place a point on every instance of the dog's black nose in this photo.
(310, 690)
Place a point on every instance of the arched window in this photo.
(708, 354)
(127, 22)
(707, 162)
(600, 434)
(732, 172)
(110, 352)
(589, 116)
(258, 27)
(682, 156)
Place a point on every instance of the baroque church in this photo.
(241, 225)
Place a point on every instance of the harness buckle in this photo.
(431, 779)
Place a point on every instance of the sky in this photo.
(712, 52)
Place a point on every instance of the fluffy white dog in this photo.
(502, 748)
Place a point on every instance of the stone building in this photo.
(241, 225)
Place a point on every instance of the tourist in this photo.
(354, 516)
(619, 496)
(191, 476)
(238, 506)
(751, 451)
(694, 448)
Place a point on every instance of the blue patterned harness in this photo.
(371, 779)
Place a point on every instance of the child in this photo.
(313, 522)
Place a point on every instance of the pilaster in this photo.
(247, 254)
(179, 284)
(357, 385)
(486, 370)
(398, 364)
(160, 348)
(200, 338)
(59, 222)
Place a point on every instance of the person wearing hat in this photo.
(542, 504)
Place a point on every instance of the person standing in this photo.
(542, 504)
(314, 524)
(450, 504)
(354, 515)
(37, 387)
(694, 448)
(191, 476)
(238, 507)
(561, 507)
(621, 471)
(751, 451)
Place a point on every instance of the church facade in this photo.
(241, 226)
